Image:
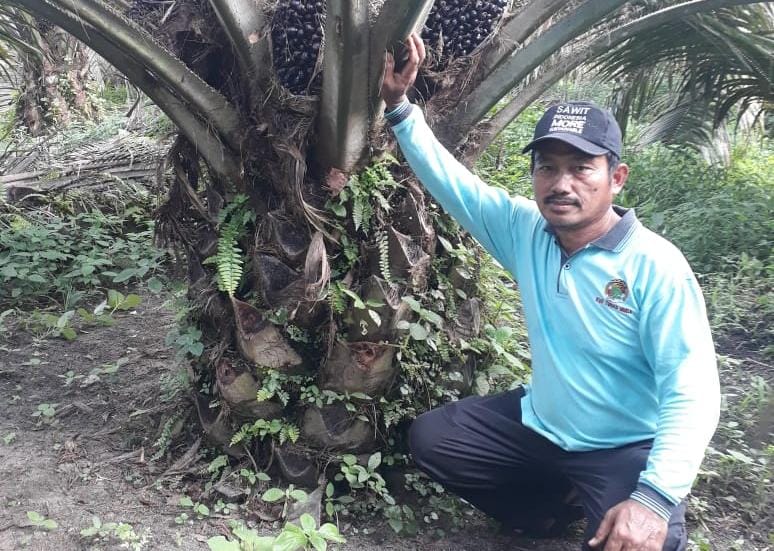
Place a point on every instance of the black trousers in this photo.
(478, 449)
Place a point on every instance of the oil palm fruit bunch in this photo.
(296, 33)
(454, 28)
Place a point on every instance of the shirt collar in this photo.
(615, 235)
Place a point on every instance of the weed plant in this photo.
(55, 259)
(711, 213)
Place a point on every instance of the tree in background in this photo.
(321, 277)
(50, 67)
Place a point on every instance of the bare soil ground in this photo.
(92, 457)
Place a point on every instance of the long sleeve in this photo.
(488, 213)
(676, 339)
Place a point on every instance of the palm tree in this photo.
(319, 272)
(47, 65)
(693, 74)
(685, 74)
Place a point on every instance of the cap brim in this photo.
(578, 142)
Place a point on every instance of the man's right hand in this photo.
(396, 83)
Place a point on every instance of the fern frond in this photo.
(264, 394)
(229, 262)
(290, 432)
(384, 255)
(232, 220)
(358, 209)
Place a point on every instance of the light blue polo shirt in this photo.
(621, 345)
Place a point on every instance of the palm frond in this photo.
(688, 76)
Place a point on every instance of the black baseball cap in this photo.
(583, 125)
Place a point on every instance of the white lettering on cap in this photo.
(574, 124)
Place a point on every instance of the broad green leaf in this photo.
(413, 303)
(196, 349)
(445, 243)
(349, 459)
(359, 304)
(186, 501)
(114, 298)
(217, 464)
(68, 333)
(396, 524)
(318, 542)
(433, 318)
(220, 543)
(155, 285)
(418, 332)
(35, 517)
(338, 209)
(308, 523)
(375, 316)
(290, 541)
(331, 532)
(299, 495)
(482, 385)
(374, 461)
(124, 275)
(360, 396)
(90, 531)
(272, 494)
(131, 301)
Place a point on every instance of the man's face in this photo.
(574, 190)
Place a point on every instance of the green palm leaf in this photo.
(688, 77)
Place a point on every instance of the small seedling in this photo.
(307, 535)
(200, 509)
(121, 531)
(288, 495)
(45, 413)
(105, 369)
(293, 537)
(39, 521)
(251, 476)
(70, 377)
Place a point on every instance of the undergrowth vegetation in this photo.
(49, 258)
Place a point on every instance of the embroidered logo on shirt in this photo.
(616, 292)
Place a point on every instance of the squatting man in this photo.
(624, 395)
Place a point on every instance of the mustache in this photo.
(561, 200)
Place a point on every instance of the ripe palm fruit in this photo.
(296, 34)
(454, 28)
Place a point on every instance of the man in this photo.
(624, 394)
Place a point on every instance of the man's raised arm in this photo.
(488, 213)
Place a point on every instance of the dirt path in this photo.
(110, 393)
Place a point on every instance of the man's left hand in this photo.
(630, 526)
